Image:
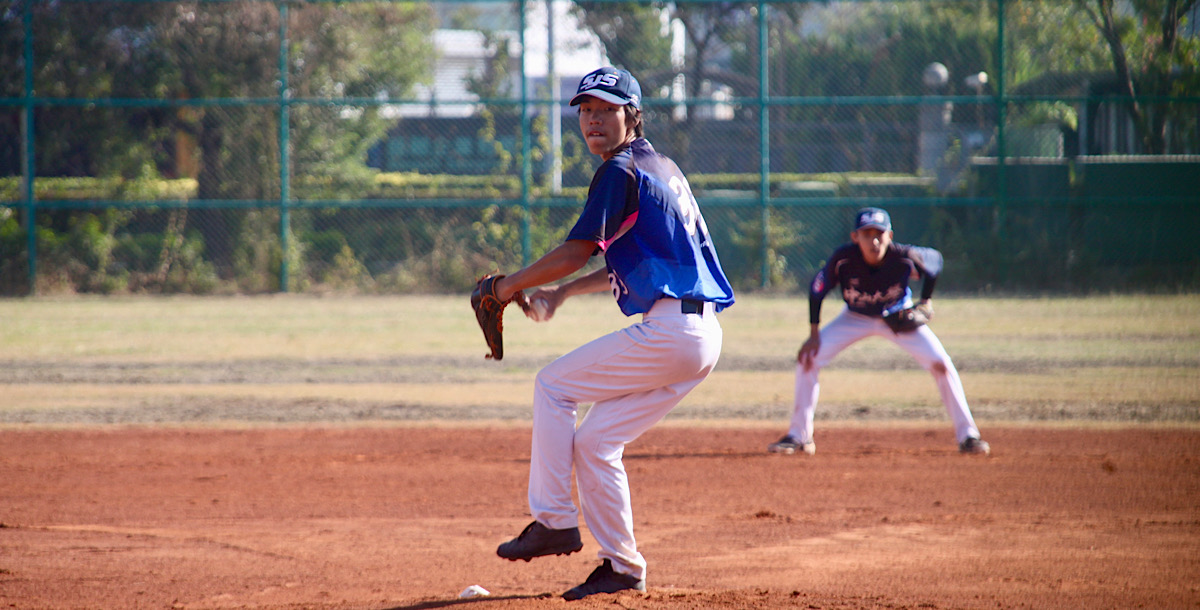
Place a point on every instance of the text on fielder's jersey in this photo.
(869, 290)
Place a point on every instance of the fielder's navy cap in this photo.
(873, 217)
(611, 85)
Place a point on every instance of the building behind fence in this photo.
(204, 146)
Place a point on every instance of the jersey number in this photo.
(618, 287)
(688, 208)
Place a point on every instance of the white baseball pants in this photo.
(849, 328)
(634, 377)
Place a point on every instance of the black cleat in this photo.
(974, 445)
(538, 540)
(789, 445)
(604, 580)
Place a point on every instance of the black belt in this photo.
(691, 306)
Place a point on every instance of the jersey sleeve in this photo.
(611, 206)
(929, 264)
(822, 283)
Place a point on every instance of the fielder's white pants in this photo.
(849, 328)
(634, 377)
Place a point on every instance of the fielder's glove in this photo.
(907, 320)
(489, 312)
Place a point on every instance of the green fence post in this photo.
(28, 151)
(1001, 153)
(284, 142)
(764, 144)
(526, 163)
(1001, 108)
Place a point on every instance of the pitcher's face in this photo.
(603, 126)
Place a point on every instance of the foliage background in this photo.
(254, 147)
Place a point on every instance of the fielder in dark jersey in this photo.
(874, 274)
(659, 264)
(875, 290)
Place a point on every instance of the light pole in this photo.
(933, 122)
(555, 117)
(977, 82)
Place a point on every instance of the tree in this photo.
(205, 50)
(632, 35)
(493, 83)
(632, 38)
(1147, 54)
(865, 50)
(359, 51)
(232, 51)
(83, 50)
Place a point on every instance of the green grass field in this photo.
(289, 359)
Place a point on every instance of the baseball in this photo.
(474, 591)
(539, 307)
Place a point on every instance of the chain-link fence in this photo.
(388, 147)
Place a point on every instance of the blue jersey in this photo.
(641, 214)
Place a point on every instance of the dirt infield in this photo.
(409, 516)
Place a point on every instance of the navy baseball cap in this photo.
(611, 85)
(872, 217)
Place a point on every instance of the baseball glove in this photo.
(489, 312)
(907, 320)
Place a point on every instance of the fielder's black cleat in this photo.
(604, 580)
(538, 540)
